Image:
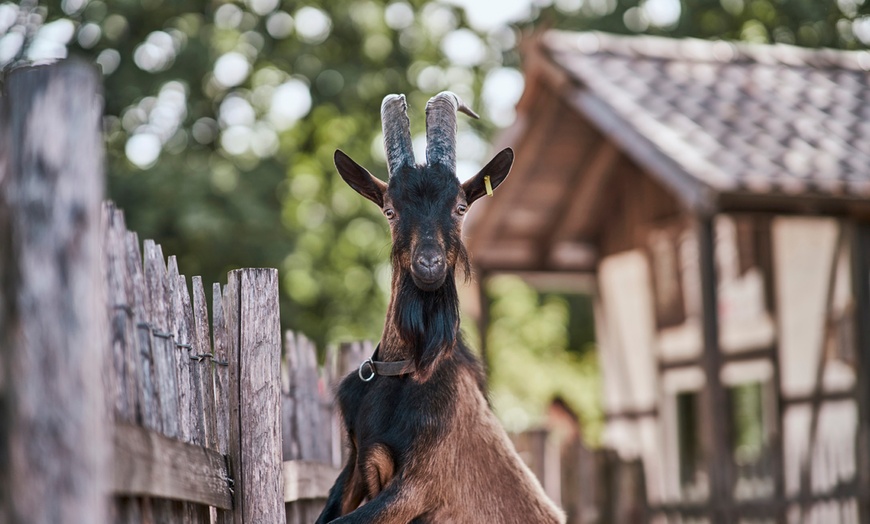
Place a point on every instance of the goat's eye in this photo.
(389, 213)
(461, 209)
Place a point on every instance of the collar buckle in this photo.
(367, 362)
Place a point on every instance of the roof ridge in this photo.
(698, 50)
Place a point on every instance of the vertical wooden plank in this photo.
(187, 374)
(221, 388)
(120, 316)
(52, 338)
(306, 416)
(147, 400)
(715, 412)
(180, 325)
(531, 445)
(231, 312)
(861, 291)
(331, 372)
(162, 353)
(763, 226)
(147, 392)
(122, 333)
(255, 361)
(221, 373)
(352, 355)
(163, 347)
(306, 429)
(204, 376)
(203, 373)
(288, 401)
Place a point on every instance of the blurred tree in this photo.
(842, 24)
(534, 358)
(223, 115)
(222, 119)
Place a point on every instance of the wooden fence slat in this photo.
(189, 391)
(147, 463)
(181, 327)
(255, 353)
(162, 348)
(221, 387)
(352, 355)
(52, 341)
(205, 402)
(147, 393)
(122, 382)
(221, 373)
(203, 367)
(122, 331)
(305, 480)
(231, 309)
(332, 379)
(298, 439)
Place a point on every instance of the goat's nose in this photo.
(430, 261)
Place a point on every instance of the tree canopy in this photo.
(222, 117)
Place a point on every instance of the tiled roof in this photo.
(738, 118)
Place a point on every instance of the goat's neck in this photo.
(436, 313)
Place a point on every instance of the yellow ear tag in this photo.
(488, 185)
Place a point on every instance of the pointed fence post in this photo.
(53, 436)
(254, 329)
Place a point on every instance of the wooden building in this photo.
(718, 196)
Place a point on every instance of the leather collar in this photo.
(371, 367)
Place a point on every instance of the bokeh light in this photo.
(231, 69)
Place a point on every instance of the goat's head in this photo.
(424, 204)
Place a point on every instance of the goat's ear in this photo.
(360, 179)
(497, 170)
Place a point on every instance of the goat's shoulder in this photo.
(466, 364)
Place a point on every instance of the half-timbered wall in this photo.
(817, 355)
(788, 364)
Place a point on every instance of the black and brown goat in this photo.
(424, 443)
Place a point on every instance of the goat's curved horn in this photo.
(397, 133)
(441, 128)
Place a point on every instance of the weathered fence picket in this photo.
(52, 338)
(307, 426)
(251, 303)
(162, 455)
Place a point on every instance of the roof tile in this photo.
(737, 117)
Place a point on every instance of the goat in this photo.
(424, 443)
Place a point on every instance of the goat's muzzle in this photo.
(428, 268)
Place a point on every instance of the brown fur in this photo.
(471, 474)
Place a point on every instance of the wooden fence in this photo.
(195, 406)
(592, 486)
(205, 411)
(119, 400)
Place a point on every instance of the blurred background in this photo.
(222, 118)
(675, 273)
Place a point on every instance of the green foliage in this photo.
(840, 24)
(531, 362)
(237, 181)
(222, 118)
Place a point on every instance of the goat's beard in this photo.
(427, 321)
